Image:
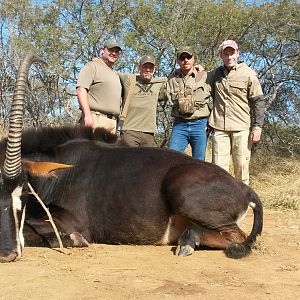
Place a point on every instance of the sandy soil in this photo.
(149, 272)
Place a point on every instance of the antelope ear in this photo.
(43, 168)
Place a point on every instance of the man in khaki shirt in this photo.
(99, 89)
(238, 111)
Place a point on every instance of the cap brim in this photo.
(148, 61)
(229, 46)
(189, 53)
(114, 47)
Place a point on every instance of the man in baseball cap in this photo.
(147, 59)
(189, 93)
(99, 89)
(140, 118)
(229, 53)
(238, 111)
(147, 67)
(228, 44)
(112, 43)
(185, 50)
(111, 52)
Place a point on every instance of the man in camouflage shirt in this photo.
(189, 93)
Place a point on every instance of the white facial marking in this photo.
(16, 196)
(21, 236)
(17, 206)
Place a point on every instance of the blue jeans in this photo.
(193, 133)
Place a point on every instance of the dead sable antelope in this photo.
(99, 192)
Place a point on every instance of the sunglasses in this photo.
(185, 56)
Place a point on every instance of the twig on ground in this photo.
(61, 247)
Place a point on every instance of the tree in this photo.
(68, 34)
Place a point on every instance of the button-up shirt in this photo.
(238, 102)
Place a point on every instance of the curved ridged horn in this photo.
(12, 163)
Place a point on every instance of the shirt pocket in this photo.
(238, 88)
(238, 85)
(202, 96)
(174, 90)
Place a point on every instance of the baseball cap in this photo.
(112, 43)
(228, 44)
(147, 59)
(185, 49)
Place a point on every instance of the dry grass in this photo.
(277, 181)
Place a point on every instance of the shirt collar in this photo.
(236, 67)
(193, 74)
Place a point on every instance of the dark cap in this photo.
(112, 43)
(147, 59)
(185, 49)
(228, 44)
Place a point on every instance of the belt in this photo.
(109, 116)
(179, 119)
(144, 132)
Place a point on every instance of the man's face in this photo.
(110, 55)
(146, 71)
(186, 62)
(229, 57)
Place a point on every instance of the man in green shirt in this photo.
(140, 123)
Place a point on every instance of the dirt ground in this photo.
(149, 272)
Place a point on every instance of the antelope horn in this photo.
(12, 163)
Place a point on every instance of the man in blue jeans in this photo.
(190, 94)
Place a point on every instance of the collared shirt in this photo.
(238, 99)
(200, 88)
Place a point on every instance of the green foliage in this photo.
(280, 140)
(67, 34)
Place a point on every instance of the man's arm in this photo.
(83, 102)
(258, 110)
(164, 94)
(257, 105)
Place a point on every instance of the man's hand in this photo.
(88, 121)
(255, 135)
(82, 96)
(199, 68)
(209, 130)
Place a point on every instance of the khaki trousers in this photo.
(236, 144)
(101, 120)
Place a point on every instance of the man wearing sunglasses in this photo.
(99, 89)
(190, 94)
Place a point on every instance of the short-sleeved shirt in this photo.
(237, 95)
(201, 89)
(103, 85)
(141, 115)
